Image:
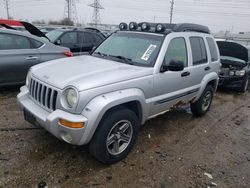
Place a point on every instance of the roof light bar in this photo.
(133, 26)
(123, 26)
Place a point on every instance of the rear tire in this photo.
(200, 107)
(115, 136)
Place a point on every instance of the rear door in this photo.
(17, 54)
(89, 41)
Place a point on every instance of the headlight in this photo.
(71, 97)
(28, 78)
(231, 73)
(240, 73)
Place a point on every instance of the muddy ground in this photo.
(173, 150)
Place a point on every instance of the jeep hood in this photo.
(232, 49)
(86, 72)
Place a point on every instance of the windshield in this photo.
(132, 48)
(53, 35)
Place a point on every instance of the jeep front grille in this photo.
(43, 94)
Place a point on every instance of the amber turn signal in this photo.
(75, 125)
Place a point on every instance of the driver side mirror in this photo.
(174, 65)
(58, 42)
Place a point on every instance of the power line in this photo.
(96, 18)
(7, 6)
(171, 10)
(70, 11)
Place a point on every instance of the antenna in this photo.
(96, 18)
(7, 6)
(171, 11)
(70, 11)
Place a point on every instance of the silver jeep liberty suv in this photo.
(139, 72)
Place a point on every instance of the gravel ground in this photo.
(173, 150)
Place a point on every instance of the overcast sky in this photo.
(233, 15)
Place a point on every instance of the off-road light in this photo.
(145, 26)
(133, 26)
(123, 26)
(159, 28)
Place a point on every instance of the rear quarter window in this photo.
(36, 44)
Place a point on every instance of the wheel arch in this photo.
(100, 106)
(211, 79)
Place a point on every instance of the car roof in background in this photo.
(79, 29)
(22, 33)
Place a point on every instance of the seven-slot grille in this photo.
(43, 94)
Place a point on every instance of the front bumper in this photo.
(231, 81)
(50, 120)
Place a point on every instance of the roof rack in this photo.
(92, 29)
(191, 27)
(164, 28)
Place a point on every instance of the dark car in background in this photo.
(79, 41)
(20, 50)
(235, 70)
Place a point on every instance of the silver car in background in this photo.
(19, 51)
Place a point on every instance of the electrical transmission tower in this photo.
(171, 11)
(70, 11)
(96, 18)
(7, 6)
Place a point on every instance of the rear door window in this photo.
(69, 38)
(11, 41)
(199, 52)
(92, 38)
(213, 49)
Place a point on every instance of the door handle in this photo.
(31, 58)
(207, 68)
(185, 74)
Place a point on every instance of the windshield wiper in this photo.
(125, 59)
(100, 54)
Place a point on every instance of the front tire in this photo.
(200, 107)
(115, 136)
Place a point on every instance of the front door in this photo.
(173, 87)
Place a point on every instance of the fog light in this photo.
(66, 137)
(74, 125)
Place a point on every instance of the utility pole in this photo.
(171, 11)
(7, 6)
(96, 18)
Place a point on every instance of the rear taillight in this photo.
(68, 54)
